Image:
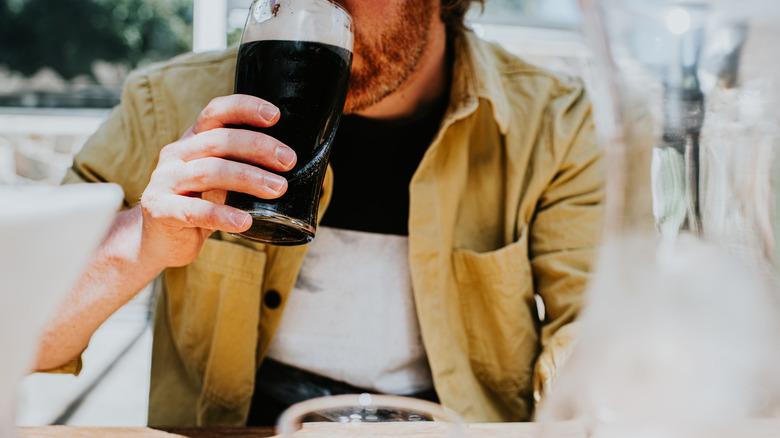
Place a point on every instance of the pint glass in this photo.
(297, 55)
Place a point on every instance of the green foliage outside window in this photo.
(69, 35)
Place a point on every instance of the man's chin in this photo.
(354, 109)
(360, 103)
(363, 95)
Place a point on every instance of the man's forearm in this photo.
(181, 206)
(117, 272)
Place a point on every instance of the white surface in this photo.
(44, 122)
(353, 286)
(47, 235)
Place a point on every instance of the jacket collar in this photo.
(477, 74)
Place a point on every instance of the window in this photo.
(562, 14)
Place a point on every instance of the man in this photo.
(484, 189)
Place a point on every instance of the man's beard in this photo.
(389, 57)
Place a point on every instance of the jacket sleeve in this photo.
(124, 150)
(567, 225)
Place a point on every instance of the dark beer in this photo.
(307, 81)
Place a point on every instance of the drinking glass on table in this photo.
(363, 415)
(296, 54)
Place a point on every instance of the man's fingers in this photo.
(216, 196)
(189, 184)
(211, 173)
(236, 144)
(182, 211)
(236, 109)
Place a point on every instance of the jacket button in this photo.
(272, 299)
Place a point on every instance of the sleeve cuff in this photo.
(72, 367)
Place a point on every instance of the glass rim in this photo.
(263, 24)
(341, 8)
(332, 2)
(289, 420)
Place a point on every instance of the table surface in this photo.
(143, 432)
(410, 430)
(748, 429)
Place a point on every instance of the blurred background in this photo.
(62, 65)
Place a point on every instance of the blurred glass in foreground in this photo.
(369, 415)
(680, 334)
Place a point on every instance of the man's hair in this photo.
(453, 12)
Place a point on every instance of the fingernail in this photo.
(269, 112)
(240, 218)
(285, 156)
(274, 182)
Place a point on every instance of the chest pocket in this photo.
(213, 312)
(496, 293)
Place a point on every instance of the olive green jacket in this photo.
(506, 203)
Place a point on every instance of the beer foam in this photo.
(320, 21)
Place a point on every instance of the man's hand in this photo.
(552, 358)
(184, 201)
(180, 208)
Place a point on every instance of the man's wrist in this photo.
(126, 250)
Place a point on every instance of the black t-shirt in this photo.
(373, 162)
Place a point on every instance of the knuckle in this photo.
(200, 170)
(259, 142)
(214, 143)
(161, 174)
(210, 149)
(210, 110)
(211, 220)
(215, 103)
(248, 176)
(247, 100)
(165, 153)
(265, 144)
(211, 141)
(150, 206)
(199, 217)
(188, 215)
(147, 201)
(227, 136)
